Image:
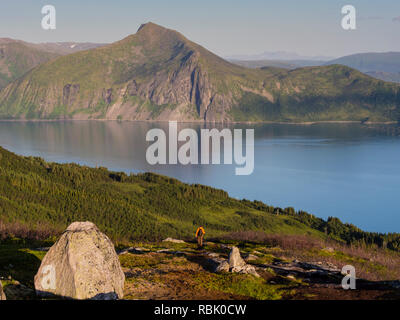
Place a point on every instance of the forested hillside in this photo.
(39, 199)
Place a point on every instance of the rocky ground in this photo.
(180, 270)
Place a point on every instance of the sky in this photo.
(307, 27)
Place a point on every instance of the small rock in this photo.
(222, 267)
(213, 255)
(125, 251)
(291, 276)
(164, 251)
(235, 260)
(247, 269)
(173, 240)
(17, 291)
(251, 257)
(237, 264)
(134, 251)
(328, 249)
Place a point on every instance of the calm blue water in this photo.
(348, 171)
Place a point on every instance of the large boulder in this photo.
(2, 295)
(82, 264)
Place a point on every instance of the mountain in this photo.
(278, 55)
(381, 65)
(365, 62)
(286, 64)
(385, 76)
(63, 48)
(17, 58)
(158, 74)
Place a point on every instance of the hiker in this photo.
(200, 235)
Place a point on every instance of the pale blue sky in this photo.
(308, 27)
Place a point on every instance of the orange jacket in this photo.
(198, 231)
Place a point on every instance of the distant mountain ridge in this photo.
(372, 61)
(18, 57)
(381, 65)
(158, 74)
(384, 66)
(285, 64)
(64, 48)
(278, 55)
(385, 76)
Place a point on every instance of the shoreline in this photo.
(306, 123)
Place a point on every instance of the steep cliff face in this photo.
(158, 74)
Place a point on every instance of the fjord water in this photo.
(346, 170)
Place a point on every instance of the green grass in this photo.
(243, 285)
(143, 262)
(20, 261)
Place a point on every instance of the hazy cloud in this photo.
(396, 19)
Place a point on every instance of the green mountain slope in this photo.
(17, 58)
(380, 65)
(144, 206)
(372, 61)
(64, 48)
(158, 74)
(38, 195)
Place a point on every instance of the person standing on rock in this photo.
(200, 232)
